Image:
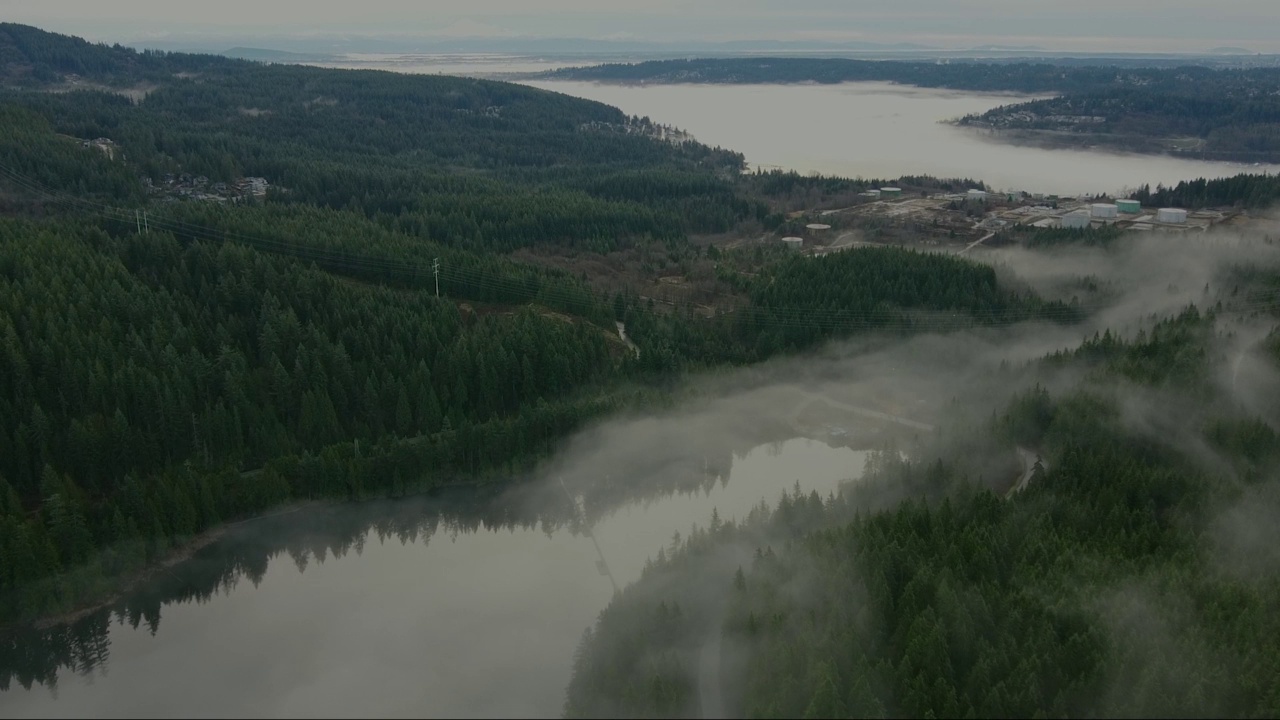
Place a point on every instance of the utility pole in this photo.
(145, 226)
(435, 269)
(138, 220)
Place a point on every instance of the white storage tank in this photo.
(1176, 216)
(977, 194)
(1104, 210)
(817, 228)
(1076, 220)
(793, 243)
(890, 192)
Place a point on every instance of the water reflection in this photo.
(451, 594)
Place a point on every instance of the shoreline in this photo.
(120, 586)
(1139, 146)
(125, 584)
(128, 583)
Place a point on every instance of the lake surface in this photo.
(882, 130)
(468, 64)
(427, 607)
(869, 129)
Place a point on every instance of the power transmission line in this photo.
(811, 318)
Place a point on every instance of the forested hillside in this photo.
(1131, 577)
(176, 353)
(1250, 191)
(1026, 77)
(227, 286)
(1233, 114)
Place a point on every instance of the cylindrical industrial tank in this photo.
(890, 192)
(1076, 220)
(977, 194)
(1129, 207)
(793, 243)
(1104, 210)
(1171, 215)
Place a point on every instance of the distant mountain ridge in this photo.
(1008, 48)
(338, 45)
(265, 55)
(1230, 51)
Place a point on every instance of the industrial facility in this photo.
(1076, 220)
(1105, 211)
(951, 218)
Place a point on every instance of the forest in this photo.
(362, 330)
(369, 329)
(1245, 190)
(1233, 113)
(1133, 576)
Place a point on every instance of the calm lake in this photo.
(869, 130)
(882, 130)
(466, 604)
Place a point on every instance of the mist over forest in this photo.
(328, 389)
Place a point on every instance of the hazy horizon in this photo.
(1178, 26)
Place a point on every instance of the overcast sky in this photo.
(1112, 25)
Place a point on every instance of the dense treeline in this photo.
(254, 353)
(1232, 122)
(483, 164)
(312, 534)
(136, 368)
(881, 287)
(151, 421)
(631, 186)
(222, 358)
(1035, 237)
(308, 536)
(1126, 579)
(1244, 190)
(802, 301)
(1234, 112)
(30, 148)
(33, 57)
(957, 74)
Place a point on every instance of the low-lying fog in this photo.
(472, 603)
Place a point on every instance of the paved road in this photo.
(976, 243)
